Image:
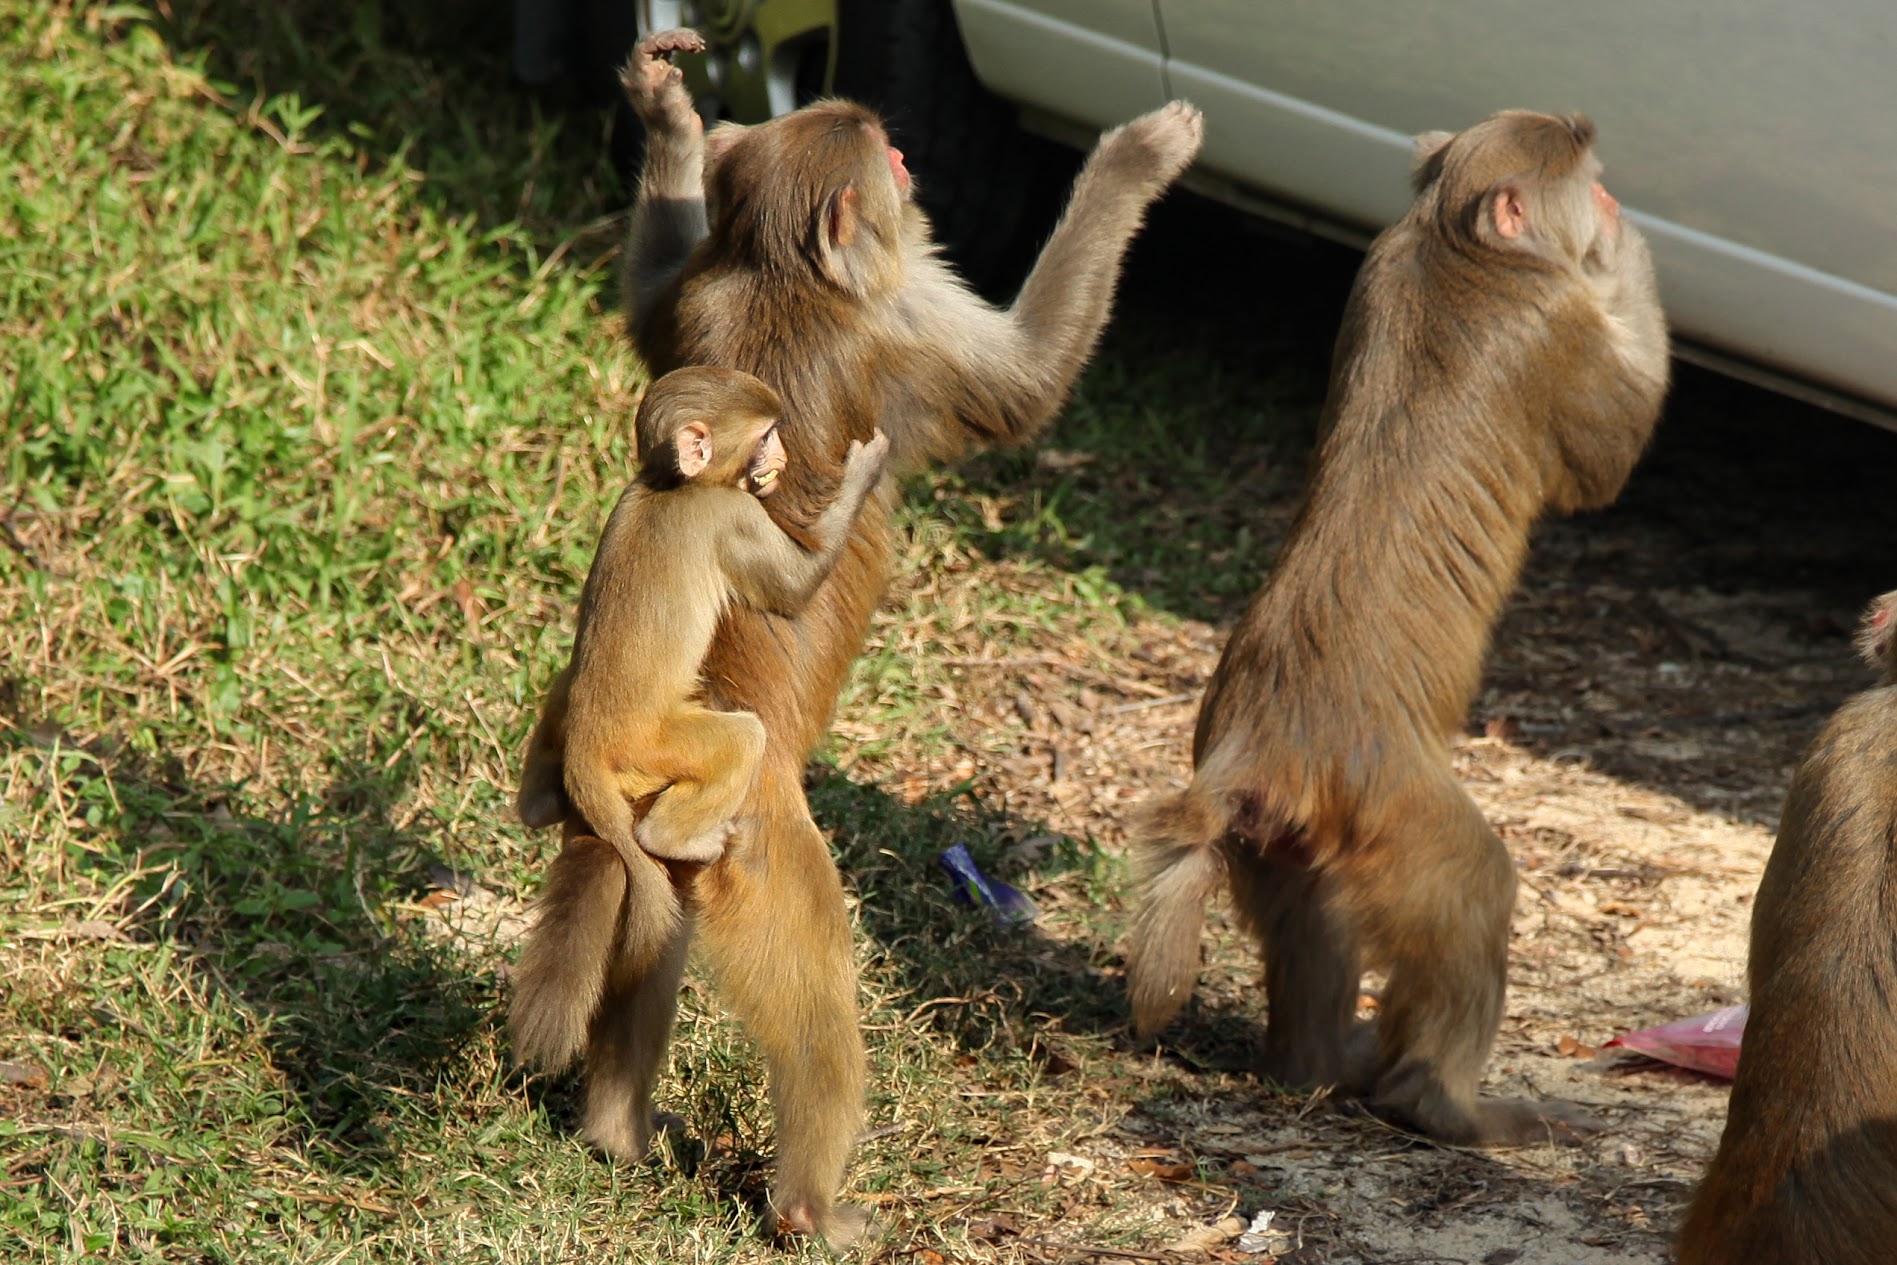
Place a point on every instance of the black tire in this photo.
(983, 181)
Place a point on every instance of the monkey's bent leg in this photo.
(541, 800)
(714, 758)
(1312, 967)
(626, 1045)
(777, 935)
(1436, 902)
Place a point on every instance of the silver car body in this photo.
(1756, 143)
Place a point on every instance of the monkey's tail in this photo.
(1179, 866)
(597, 913)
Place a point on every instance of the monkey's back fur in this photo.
(1806, 1172)
(1473, 388)
(1361, 654)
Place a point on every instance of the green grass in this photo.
(312, 407)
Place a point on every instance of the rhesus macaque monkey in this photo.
(1806, 1172)
(687, 539)
(813, 270)
(1502, 354)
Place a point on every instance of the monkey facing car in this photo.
(1502, 355)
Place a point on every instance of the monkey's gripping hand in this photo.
(655, 87)
(863, 466)
(1153, 149)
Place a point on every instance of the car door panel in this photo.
(1752, 139)
(1095, 62)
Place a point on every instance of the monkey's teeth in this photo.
(767, 478)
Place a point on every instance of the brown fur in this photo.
(1480, 378)
(815, 272)
(1806, 1172)
(620, 727)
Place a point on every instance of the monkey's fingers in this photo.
(665, 43)
(875, 448)
(649, 72)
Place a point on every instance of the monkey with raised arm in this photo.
(1502, 355)
(621, 723)
(794, 250)
(1806, 1172)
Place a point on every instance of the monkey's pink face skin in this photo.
(1608, 207)
(767, 462)
(896, 169)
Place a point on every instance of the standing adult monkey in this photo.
(1806, 1172)
(1502, 354)
(793, 250)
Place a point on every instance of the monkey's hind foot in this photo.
(841, 1227)
(629, 1138)
(1494, 1122)
(699, 849)
(1505, 1122)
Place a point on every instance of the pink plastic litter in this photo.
(1705, 1043)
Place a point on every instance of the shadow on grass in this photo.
(932, 946)
(287, 916)
(429, 82)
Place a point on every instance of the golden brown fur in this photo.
(1493, 363)
(814, 271)
(621, 728)
(1806, 1172)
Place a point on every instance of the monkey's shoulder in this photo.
(1859, 743)
(1841, 809)
(692, 513)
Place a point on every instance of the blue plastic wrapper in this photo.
(1004, 903)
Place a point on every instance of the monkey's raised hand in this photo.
(1154, 148)
(654, 86)
(863, 465)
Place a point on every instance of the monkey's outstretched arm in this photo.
(668, 217)
(769, 570)
(998, 377)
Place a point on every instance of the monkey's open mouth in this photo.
(764, 478)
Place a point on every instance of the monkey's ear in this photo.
(693, 443)
(1426, 159)
(1510, 211)
(841, 217)
(838, 225)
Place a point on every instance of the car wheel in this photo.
(975, 168)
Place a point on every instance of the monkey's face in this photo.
(1878, 639)
(767, 462)
(897, 171)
